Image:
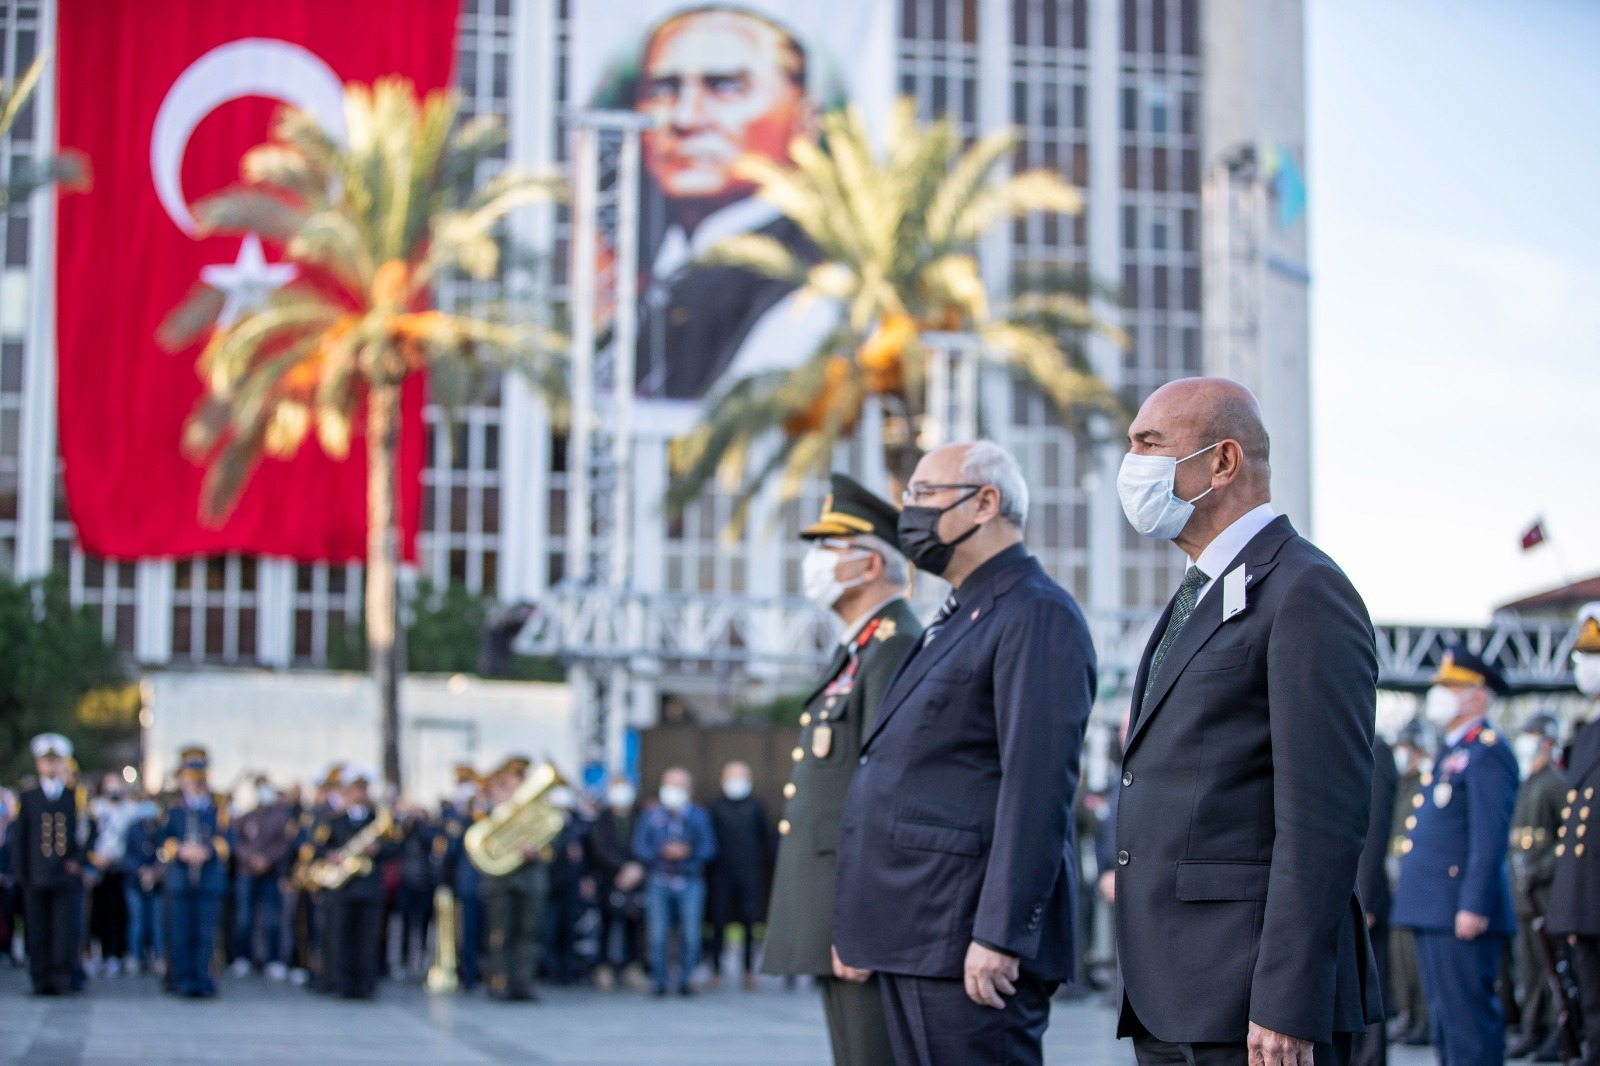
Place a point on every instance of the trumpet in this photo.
(525, 822)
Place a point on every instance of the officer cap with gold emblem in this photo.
(1588, 629)
(356, 772)
(1461, 667)
(193, 757)
(47, 744)
(465, 774)
(851, 510)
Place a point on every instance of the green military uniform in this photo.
(513, 911)
(1408, 999)
(1534, 824)
(838, 716)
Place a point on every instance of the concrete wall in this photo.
(292, 725)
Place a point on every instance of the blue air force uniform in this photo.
(194, 891)
(1454, 859)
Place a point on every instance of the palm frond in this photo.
(241, 210)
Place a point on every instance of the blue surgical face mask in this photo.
(1145, 486)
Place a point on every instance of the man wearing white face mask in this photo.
(1455, 890)
(1574, 910)
(674, 841)
(737, 881)
(1246, 781)
(855, 569)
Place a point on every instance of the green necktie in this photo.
(1182, 607)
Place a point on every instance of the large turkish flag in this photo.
(165, 96)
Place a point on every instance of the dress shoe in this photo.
(1525, 1044)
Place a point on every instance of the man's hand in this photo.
(990, 975)
(193, 854)
(630, 876)
(1108, 886)
(1275, 1049)
(675, 850)
(848, 973)
(1470, 926)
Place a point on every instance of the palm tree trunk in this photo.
(383, 438)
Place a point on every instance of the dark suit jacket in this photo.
(1372, 878)
(1571, 906)
(692, 325)
(958, 824)
(1244, 808)
(800, 916)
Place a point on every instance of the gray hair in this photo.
(894, 564)
(986, 463)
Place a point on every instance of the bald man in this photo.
(1247, 771)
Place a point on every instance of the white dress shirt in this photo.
(1221, 552)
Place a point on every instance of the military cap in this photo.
(465, 773)
(193, 757)
(515, 764)
(1461, 667)
(1544, 724)
(1588, 629)
(51, 744)
(355, 771)
(851, 509)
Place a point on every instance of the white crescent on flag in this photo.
(251, 66)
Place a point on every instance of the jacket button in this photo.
(789, 790)
(863, 760)
(1123, 858)
(798, 754)
(1455, 871)
(783, 828)
(1127, 778)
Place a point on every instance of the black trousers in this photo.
(933, 1023)
(353, 927)
(52, 935)
(1151, 1050)
(1586, 965)
(1371, 1048)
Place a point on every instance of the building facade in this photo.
(1135, 101)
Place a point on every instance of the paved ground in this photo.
(126, 1021)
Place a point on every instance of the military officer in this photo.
(1411, 1006)
(854, 567)
(48, 858)
(1574, 907)
(1454, 890)
(1534, 825)
(195, 842)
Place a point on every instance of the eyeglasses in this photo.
(914, 494)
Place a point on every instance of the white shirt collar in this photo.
(678, 249)
(53, 787)
(859, 624)
(1221, 552)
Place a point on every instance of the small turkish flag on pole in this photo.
(1534, 536)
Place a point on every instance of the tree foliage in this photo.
(897, 232)
(55, 660)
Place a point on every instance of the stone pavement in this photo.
(125, 1021)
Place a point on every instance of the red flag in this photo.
(1534, 536)
(165, 96)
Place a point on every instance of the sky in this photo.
(1454, 183)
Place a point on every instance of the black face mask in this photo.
(919, 536)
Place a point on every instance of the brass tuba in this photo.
(349, 861)
(442, 974)
(525, 822)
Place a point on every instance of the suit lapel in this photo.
(1257, 559)
(967, 618)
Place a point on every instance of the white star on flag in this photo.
(247, 282)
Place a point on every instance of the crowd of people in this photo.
(327, 887)
(1286, 888)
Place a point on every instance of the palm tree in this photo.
(70, 168)
(896, 232)
(369, 226)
